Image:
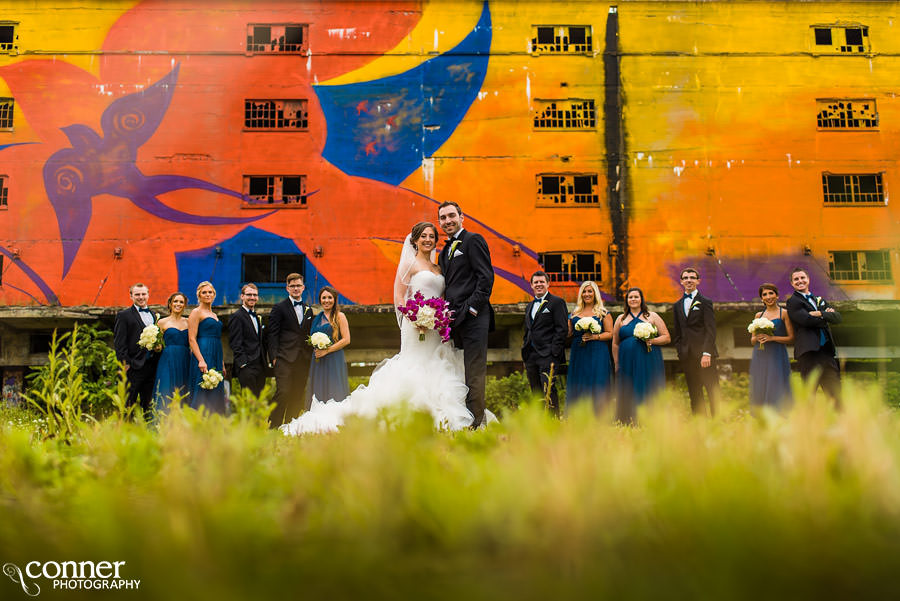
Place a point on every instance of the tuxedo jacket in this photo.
(468, 276)
(287, 338)
(545, 334)
(246, 344)
(126, 334)
(695, 333)
(806, 326)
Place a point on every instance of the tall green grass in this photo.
(804, 505)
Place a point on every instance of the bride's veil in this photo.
(404, 273)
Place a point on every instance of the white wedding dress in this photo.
(426, 375)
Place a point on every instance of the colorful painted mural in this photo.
(171, 142)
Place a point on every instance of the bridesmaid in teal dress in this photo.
(639, 363)
(205, 337)
(174, 362)
(590, 366)
(328, 371)
(770, 367)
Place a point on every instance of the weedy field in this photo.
(799, 505)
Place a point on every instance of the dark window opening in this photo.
(7, 36)
(264, 190)
(565, 114)
(39, 344)
(572, 266)
(550, 184)
(4, 192)
(270, 269)
(865, 188)
(275, 38)
(276, 114)
(823, 36)
(567, 189)
(847, 114)
(6, 113)
(544, 35)
(854, 36)
(860, 265)
(561, 39)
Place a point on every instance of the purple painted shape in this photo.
(33, 276)
(726, 279)
(107, 165)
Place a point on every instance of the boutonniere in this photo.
(819, 301)
(452, 249)
(695, 304)
(538, 310)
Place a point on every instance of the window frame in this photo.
(4, 192)
(277, 186)
(538, 110)
(819, 109)
(12, 111)
(13, 48)
(274, 281)
(854, 190)
(250, 46)
(304, 107)
(533, 44)
(540, 195)
(855, 257)
(572, 276)
(837, 49)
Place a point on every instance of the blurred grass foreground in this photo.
(801, 505)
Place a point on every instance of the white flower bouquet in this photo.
(151, 338)
(211, 379)
(761, 325)
(645, 331)
(320, 340)
(588, 325)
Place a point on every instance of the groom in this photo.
(140, 364)
(465, 262)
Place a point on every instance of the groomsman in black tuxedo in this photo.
(814, 347)
(246, 337)
(289, 325)
(546, 328)
(694, 337)
(465, 262)
(140, 364)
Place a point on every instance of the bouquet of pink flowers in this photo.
(428, 314)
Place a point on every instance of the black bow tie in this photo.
(143, 310)
(253, 313)
(688, 295)
(298, 304)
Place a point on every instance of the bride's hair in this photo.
(417, 231)
(335, 328)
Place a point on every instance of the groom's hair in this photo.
(293, 276)
(540, 274)
(450, 203)
(798, 270)
(137, 285)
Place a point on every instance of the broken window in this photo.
(845, 113)
(4, 191)
(8, 36)
(561, 39)
(567, 189)
(860, 265)
(571, 113)
(277, 38)
(863, 188)
(270, 269)
(571, 266)
(265, 190)
(276, 114)
(841, 39)
(6, 113)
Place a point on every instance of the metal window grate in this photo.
(264, 190)
(860, 265)
(571, 266)
(845, 113)
(276, 114)
(6, 112)
(866, 188)
(561, 39)
(565, 114)
(277, 38)
(569, 189)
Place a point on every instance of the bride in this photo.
(427, 375)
